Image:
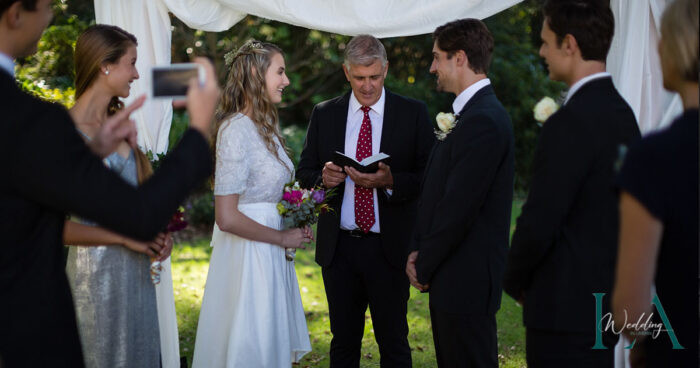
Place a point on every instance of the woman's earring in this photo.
(107, 72)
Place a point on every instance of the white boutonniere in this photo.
(544, 109)
(445, 122)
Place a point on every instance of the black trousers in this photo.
(464, 340)
(360, 276)
(546, 348)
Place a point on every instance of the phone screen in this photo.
(172, 82)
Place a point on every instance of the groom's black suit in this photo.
(49, 171)
(565, 243)
(407, 137)
(462, 231)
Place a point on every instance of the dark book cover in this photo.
(369, 165)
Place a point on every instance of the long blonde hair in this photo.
(246, 88)
(97, 45)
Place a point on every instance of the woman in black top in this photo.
(659, 212)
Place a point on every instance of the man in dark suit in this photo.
(565, 242)
(361, 244)
(49, 171)
(461, 236)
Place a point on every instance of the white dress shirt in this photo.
(467, 95)
(7, 64)
(583, 81)
(352, 132)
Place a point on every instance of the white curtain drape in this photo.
(634, 63)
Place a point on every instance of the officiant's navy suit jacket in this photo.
(48, 171)
(464, 209)
(407, 137)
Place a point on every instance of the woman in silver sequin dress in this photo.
(115, 300)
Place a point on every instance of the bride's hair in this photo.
(103, 44)
(246, 88)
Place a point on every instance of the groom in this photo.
(565, 243)
(361, 244)
(461, 235)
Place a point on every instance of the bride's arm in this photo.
(80, 234)
(231, 220)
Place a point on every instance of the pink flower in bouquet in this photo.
(177, 222)
(318, 196)
(293, 197)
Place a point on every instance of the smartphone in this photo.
(171, 81)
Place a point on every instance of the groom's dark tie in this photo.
(364, 198)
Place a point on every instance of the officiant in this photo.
(361, 244)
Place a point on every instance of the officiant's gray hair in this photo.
(364, 50)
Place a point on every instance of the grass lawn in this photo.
(190, 263)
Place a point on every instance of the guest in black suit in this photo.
(461, 237)
(565, 242)
(362, 243)
(50, 172)
(659, 210)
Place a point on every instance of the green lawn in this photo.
(190, 263)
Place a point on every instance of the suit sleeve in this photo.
(479, 149)
(310, 166)
(58, 170)
(407, 183)
(562, 160)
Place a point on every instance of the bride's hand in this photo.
(294, 238)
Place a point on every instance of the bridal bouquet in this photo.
(177, 223)
(301, 207)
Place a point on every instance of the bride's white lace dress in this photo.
(251, 314)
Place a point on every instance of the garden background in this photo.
(313, 61)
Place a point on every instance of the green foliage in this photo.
(200, 209)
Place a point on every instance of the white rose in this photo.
(544, 109)
(445, 121)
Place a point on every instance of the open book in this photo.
(368, 166)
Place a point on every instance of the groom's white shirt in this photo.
(467, 95)
(7, 64)
(583, 81)
(352, 132)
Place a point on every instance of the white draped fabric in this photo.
(632, 61)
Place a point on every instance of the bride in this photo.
(251, 313)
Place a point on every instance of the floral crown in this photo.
(246, 49)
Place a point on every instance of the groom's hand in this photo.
(332, 175)
(412, 274)
(380, 179)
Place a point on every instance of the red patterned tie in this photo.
(364, 197)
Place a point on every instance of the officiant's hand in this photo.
(381, 179)
(116, 130)
(332, 175)
(412, 274)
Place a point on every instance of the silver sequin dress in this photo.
(115, 300)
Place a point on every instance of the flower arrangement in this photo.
(177, 223)
(301, 207)
(544, 109)
(445, 122)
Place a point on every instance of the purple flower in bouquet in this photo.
(318, 195)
